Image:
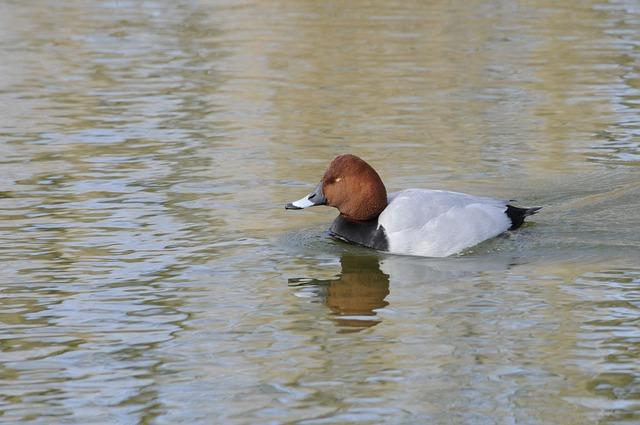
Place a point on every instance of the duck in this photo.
(419, 222)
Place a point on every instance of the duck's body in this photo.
(430, 223)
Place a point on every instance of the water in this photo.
(151, 275)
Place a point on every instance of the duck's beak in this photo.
(314, 198)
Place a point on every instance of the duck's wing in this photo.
(439, 223)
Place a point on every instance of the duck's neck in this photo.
(365, 233)
(358, 221)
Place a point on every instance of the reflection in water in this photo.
(607, 347)
(355, 294)
(146, 148)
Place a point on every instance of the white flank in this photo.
(436, 223)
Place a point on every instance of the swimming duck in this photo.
(429, 223)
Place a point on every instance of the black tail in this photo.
(517, 215)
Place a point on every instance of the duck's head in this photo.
(350, 185)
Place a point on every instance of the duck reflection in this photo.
(355, 294)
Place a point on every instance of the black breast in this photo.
(365, 233)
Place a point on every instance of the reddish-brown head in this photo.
(354, 188)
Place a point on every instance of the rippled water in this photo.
(150, 274)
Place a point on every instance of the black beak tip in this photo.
(290, 206)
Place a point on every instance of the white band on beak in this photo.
(303, 203)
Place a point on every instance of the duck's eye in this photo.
(338, 180)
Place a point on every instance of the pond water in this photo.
(150, 273)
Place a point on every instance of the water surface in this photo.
(151, 275)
